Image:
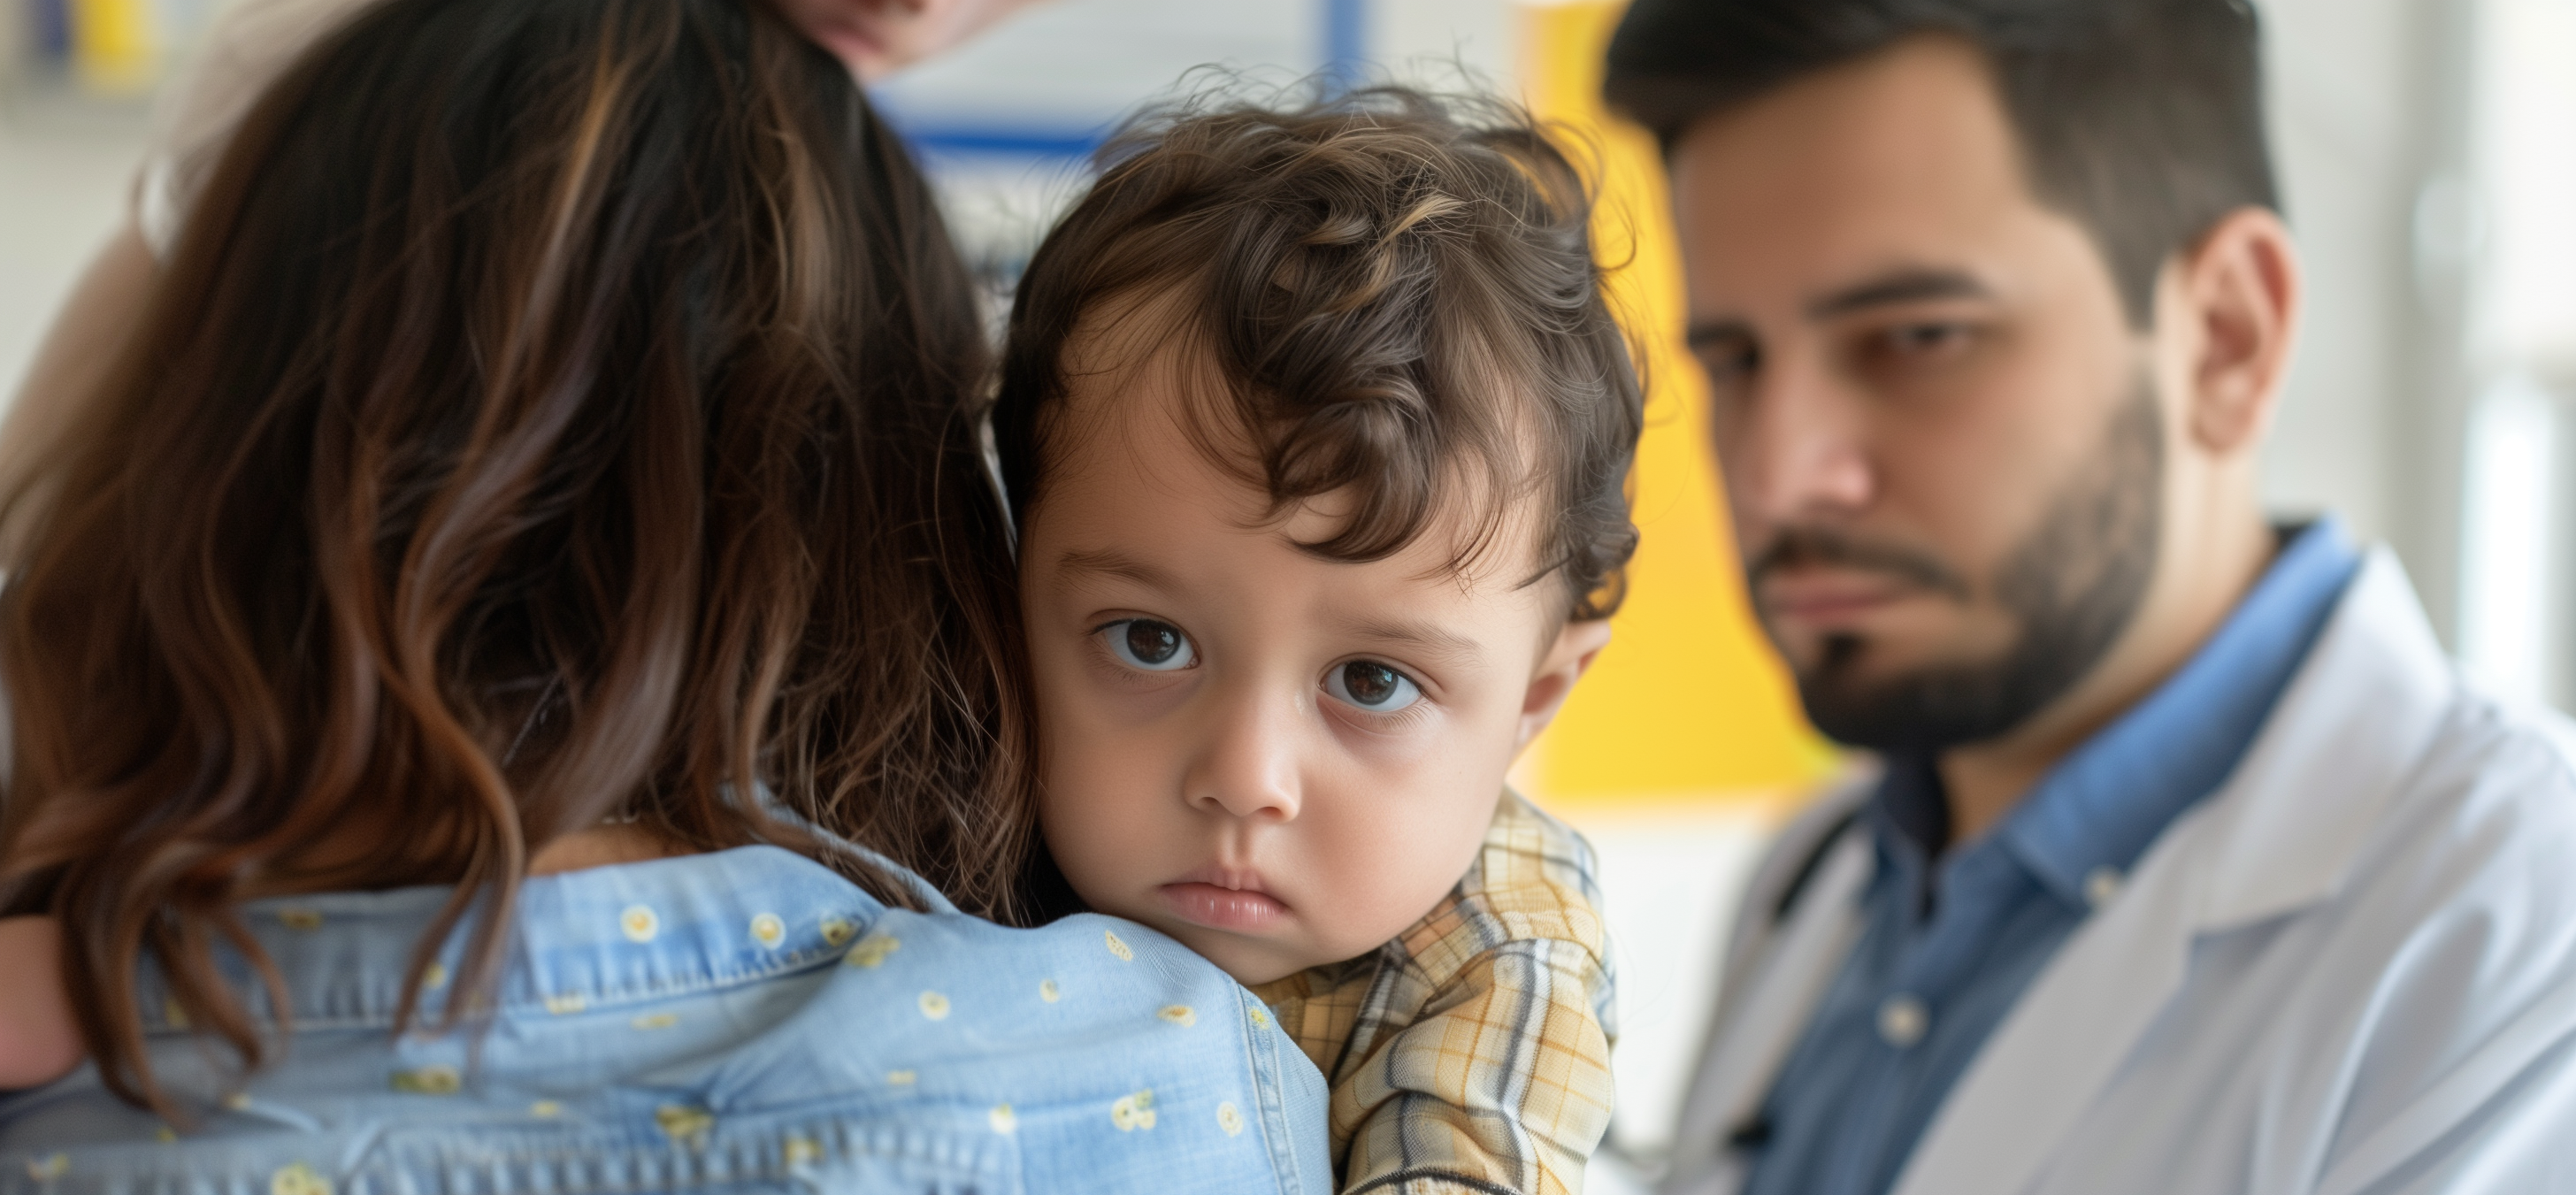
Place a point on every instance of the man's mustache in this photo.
(1812, 546)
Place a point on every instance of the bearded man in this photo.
(2191, 865)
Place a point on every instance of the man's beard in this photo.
(2072, 586)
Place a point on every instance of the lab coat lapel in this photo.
(2281, 834)
(1766, 1021)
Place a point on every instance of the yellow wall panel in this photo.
(114, 47)
(1689, 704)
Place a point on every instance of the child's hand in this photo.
(39, 1042)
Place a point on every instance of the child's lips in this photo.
(1242, 910)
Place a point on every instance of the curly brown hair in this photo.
(1397, 297)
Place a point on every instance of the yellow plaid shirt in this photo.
(1472, 1053)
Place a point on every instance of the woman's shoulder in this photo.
(749, 1005)
(1112, 1053)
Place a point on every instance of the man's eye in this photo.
(1369, 685)
(1149, 645)
(1729, 360)
(1925, 338)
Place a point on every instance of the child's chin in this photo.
(1250, 964)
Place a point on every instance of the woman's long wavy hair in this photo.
(552, 412)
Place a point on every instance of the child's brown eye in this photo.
(1152, 642)
(1150, 645)
(1371, 686)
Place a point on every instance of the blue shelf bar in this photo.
(1345, 42)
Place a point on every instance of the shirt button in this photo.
(1902, 1021)
(2100, 885)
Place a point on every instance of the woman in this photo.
(534, 505)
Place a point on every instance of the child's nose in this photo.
(1248, 767)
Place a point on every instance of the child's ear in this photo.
(1573, 651)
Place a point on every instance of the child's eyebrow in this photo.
(1107, 562)
(1423, 637)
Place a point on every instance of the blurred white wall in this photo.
(64, 169)
(2367, 429)
(2513, 191)
(2430, 175)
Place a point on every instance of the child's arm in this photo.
(39, 1041)
(1472, 1054)
(1502, 1085)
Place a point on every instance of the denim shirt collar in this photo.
(2106, 801)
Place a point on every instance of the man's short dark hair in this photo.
(2141, 119)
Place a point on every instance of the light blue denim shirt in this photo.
(746, 1019)
(1953, 937)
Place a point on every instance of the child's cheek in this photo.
(1404, 882)
(1396, 748)
(1394, 850)
(1100, 831)
(1086, 817)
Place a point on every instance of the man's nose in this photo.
(1248, 764)
(1802, 448)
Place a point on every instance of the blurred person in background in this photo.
(2190, 864)
(249, 44)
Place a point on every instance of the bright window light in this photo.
(2507, 541)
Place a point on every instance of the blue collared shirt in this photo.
(746, 1019)
(1952, 940)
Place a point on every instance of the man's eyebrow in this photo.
(1904, 286)
(1105, 562)
(1703, 333)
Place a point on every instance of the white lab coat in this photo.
(2350, 971)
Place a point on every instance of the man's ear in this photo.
(2240, 289)
(1574, 650)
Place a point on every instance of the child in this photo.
(1316, 428)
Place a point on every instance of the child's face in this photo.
(1279, 760)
